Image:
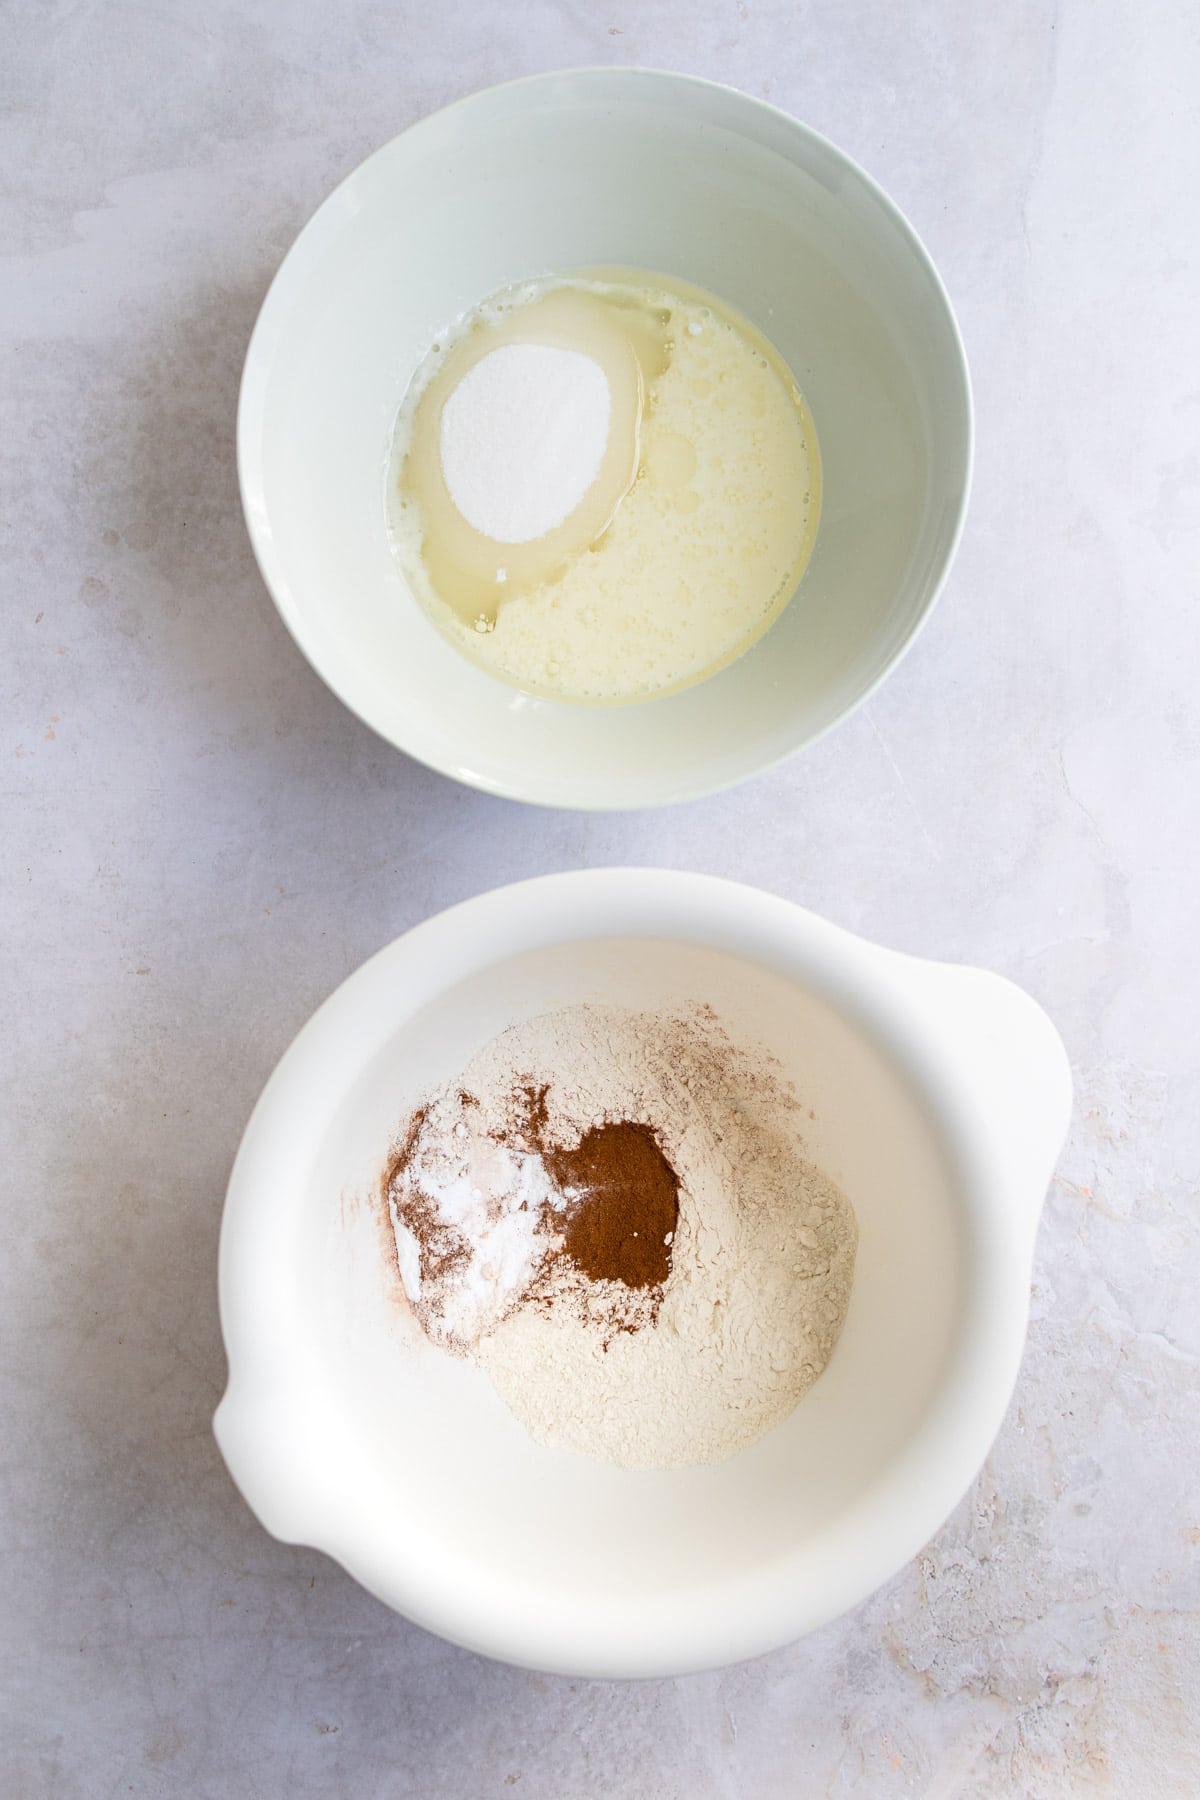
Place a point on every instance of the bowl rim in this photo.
(249, 438)
(727, 1620)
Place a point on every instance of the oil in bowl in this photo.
(603, 487)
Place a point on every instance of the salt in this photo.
(523, 436)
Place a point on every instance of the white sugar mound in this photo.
(523, 437)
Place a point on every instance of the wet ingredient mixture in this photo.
(603, 489)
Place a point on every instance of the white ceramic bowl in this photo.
(604, 167)
(941, 1096)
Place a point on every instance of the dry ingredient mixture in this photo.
(610, 1212)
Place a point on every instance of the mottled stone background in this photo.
(198, 843)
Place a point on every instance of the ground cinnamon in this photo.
(609, 1213)
(620, 1197)
(442, 1248)
(622, 1224)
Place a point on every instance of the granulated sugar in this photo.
(523, 436)
(741, 1309)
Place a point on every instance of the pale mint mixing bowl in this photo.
(603, 167)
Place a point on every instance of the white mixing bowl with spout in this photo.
(940, 1098)
(580, 170)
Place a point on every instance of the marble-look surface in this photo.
(199, 843)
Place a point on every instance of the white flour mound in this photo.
(762, 1259)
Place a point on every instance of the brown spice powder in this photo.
(618, 1206)
(443, 1249)
(620, 1195)
(623, 1207)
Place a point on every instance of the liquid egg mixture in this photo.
(603, 489)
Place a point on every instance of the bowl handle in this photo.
(1007, 1061)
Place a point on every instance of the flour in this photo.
(761, 1259)
(523, 436)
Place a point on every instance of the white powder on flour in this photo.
(482, 1244)
(761, 1262)
(523, 436)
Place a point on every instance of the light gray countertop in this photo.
(199, 843)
